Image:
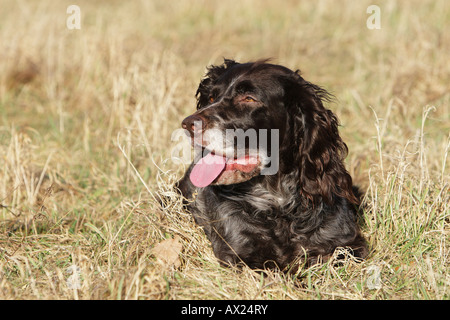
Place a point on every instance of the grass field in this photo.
(86, 118)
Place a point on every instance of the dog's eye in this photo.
(249, 99)
(211, 99)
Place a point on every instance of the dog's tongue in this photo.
(207, 169)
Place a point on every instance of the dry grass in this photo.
(87, 115)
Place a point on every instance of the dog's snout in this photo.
(193, 123)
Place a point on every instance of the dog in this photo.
(305, 206)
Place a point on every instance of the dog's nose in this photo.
(193, 123)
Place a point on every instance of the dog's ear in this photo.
(212, 74)
(321, 151)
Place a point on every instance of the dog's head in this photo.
(250, 115)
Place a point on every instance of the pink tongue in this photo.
(207, 169)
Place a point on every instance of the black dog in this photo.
(306, 207)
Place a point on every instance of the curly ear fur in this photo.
(321, 149)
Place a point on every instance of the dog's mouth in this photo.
(220, 169)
